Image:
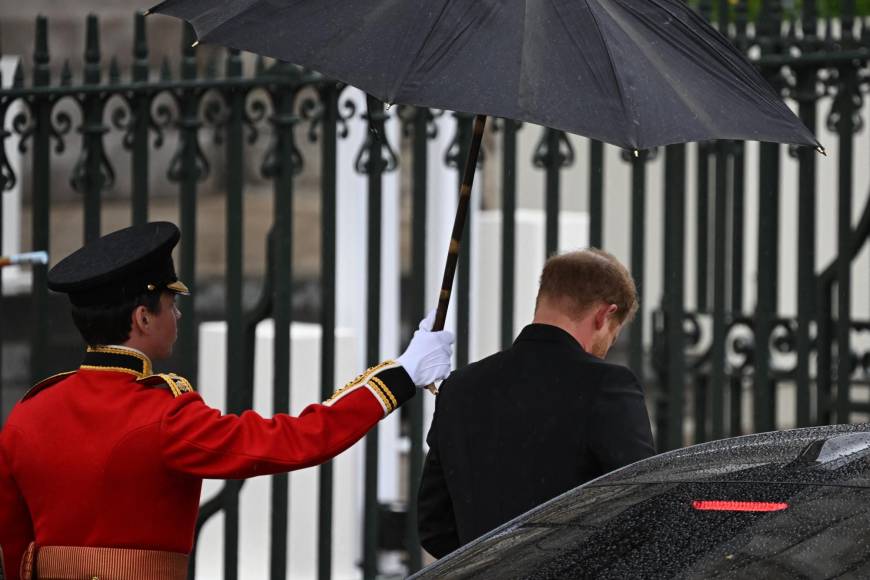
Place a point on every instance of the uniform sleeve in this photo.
(436, 522)
(198, 440)
(619, 427)
(16, 529)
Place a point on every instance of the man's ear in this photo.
(140, 320)
(603, 314)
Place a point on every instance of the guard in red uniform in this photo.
(101, 467)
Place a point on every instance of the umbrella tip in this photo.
(195, 42)
(821, 150)
(636, 153)
(146, 12)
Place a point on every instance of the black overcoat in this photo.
(520, 427)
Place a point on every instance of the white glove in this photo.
(427, 358)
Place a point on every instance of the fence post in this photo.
(720, 271)
(88, 176)
(670, 420)
(638, 162)
(287, 163)
(596, 193)
(374, 167)
(508, 231)
(420, 130)
(187, 168)
(768, 243)
(845, 126)
(140, 105)
(329, 95)
(40, 110)
(806, 287)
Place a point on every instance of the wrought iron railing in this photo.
(714, 354)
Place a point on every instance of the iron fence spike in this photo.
(18, 76)
(165, 70)
(66, 74)
(114, 71)
(211, 67)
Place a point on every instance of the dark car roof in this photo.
(643, 521)
(775, 456)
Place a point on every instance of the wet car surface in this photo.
(790, 504)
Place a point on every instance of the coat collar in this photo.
(117, 359)
(547, 333)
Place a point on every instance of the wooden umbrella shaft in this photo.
(458, 228)
(459, 223)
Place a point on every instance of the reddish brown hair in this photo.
(584, 278)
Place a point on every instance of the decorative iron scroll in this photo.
(562, 157)
(376, 154)
(740, 345)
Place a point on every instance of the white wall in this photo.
(16, 279)
(255, 501)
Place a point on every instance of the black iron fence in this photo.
(712, 361)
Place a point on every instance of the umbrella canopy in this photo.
(634, 73)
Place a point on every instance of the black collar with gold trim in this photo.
(117, 359)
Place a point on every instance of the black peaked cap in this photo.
(120, 266)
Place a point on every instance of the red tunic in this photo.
(105, 457)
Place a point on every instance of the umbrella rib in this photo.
(615, 75)
(400, 78)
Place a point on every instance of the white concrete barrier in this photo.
(255, 502)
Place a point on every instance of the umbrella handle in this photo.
(458, 228)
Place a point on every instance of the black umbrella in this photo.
(634, 73)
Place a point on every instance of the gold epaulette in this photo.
(177, 384)
(372, 383)
(45, 383)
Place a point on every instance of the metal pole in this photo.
(328, 231)
(552, 164)
(720, 270)
(141, 110)
(638, 244)
(596, 194)
(188, 176)
(284, 122)
(91, 181)
(670, 433)
(418, 301)
(41, 111)
(845, 133)
(508, 232)
(375, 168)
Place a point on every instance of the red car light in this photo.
(738, 506)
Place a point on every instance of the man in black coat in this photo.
(524, 425)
